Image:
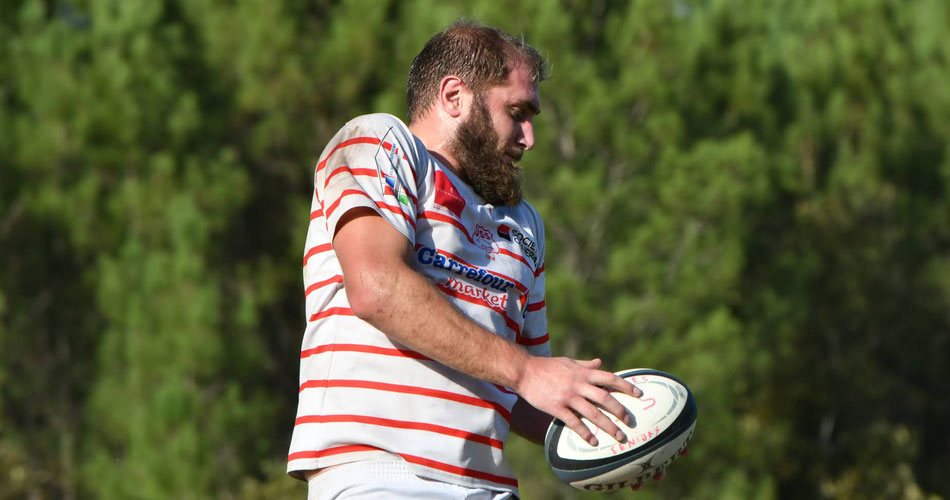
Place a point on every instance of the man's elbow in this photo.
(367, 295)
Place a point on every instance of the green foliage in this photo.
(752, 196)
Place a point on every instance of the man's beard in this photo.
(487, 167)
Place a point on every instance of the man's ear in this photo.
(452, 94)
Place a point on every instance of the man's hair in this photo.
(482, 56)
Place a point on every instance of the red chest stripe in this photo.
(433, 464)
(539, 271)
(431, 215)
(353, 448)
(368, 349)
(516, 256)
(400, 424)
(532, 342)
(537, 306)
(459, 470)
(408, 389)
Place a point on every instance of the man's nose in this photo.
(527, 135)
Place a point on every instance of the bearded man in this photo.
(426, 341)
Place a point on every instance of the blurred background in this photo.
(750, 195)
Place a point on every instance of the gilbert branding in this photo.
(429, 257)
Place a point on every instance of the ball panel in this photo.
(637, 470)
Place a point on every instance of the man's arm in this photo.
(384, 290)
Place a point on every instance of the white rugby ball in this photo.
(663, 422)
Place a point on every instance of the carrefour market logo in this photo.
(497, 301)
(430, 257)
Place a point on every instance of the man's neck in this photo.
(434, 135)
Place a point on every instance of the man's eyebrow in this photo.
(531, 105)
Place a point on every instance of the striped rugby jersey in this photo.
(362, 396)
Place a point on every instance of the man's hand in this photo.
(570, 389)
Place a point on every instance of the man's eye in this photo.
(517, 115)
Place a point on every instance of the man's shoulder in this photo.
(528, 221)
(530, 214)
(378, 125)
(529, 208)
(379, 118)
(381, 129)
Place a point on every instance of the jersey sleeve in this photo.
(372, 162)
(534, 335)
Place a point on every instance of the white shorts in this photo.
(389, 479)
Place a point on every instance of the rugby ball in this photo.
(663, 422)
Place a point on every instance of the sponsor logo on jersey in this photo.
(388, 168)
(428, 256)
(391, 182)
(393, 154)
(493, 300)
(446, 196)
(504, 232)
(483, 239)
(527, 245)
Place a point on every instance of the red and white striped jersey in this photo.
(363, 396)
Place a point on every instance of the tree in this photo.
(750, 196)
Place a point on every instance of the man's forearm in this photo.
(412, 312)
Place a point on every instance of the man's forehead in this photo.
(521, 89)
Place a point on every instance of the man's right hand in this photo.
(570, 389)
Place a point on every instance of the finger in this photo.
(607, 402)
(574, 423)
(659, 474)
(586, 409)
(615, 382)
(637, 486)
(637, 393)
(684, 451)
